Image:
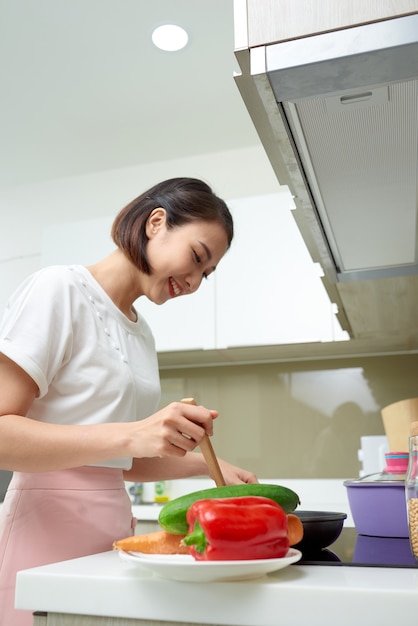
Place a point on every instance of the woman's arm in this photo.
(31, 446)
(193, 464)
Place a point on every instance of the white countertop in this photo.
(104, 584)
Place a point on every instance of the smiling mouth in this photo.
(176, 289)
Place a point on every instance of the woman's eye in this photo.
(199, 261)
(197, 257)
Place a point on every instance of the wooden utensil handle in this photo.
(209, 454)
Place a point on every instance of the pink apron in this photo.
(54, 516)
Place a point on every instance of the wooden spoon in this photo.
(209, 454)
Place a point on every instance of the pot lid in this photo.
(379, 478)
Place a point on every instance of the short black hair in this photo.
(184, 200)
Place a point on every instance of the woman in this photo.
(79, 385)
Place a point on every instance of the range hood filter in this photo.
(356, 140)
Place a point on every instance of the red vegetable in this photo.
(246, 527)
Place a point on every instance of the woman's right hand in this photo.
(173, 431)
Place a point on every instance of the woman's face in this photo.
(180, 257)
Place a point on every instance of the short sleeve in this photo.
(36, 330)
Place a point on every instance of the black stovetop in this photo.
(361, 550)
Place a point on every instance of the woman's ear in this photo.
(155, 222)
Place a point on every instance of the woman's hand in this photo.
(190, 465)
(173, 431)
(235, 475)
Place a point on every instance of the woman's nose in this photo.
(193, 281)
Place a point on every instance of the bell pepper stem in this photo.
(196, 538)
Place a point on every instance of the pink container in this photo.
(378, 507)
(396, 462)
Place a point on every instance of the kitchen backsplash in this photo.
(299, 419)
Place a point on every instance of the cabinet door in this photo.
(268, 290)
(184, 323)
(84, 242)
(265, 291)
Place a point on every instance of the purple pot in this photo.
(378, 507)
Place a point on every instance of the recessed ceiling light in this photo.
(170, 37)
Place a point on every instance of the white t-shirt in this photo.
(90, 362)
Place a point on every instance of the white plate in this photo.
(183, 566)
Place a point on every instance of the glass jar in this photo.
(162, 491)
(411, 489)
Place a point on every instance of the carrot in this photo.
(159, 542)
(162, 542)
(294, 529)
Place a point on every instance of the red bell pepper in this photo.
(245, 527)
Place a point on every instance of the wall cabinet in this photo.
(269, 291)
(182, 324)
(266, 290)
(185, 323)
(268, 21)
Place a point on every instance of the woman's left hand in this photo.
(235, 475)
(188, 466)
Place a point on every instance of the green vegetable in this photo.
(172, 516)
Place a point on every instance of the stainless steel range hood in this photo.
(348, 102)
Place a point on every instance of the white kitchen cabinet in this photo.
(180, 324)
(83, 242)
(269, 21)
(185, 323)
(266, 290)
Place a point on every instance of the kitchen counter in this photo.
(105, 585)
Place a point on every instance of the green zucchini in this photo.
(172, 517)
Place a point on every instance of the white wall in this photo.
(25, 211)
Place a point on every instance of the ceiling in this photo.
(83, 89)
